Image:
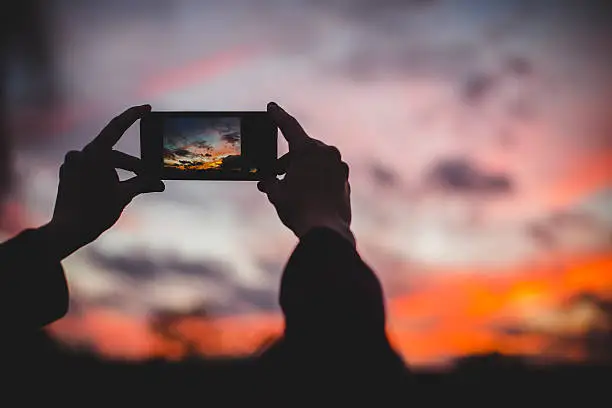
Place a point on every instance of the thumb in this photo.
(271, 187)
(138, 185)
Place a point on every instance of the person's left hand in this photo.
(90, 196)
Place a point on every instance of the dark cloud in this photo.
(600, 303)
(143, 266)
(202, 144)
(544, 236)
(548, 233)
(512, 331)
(182, 152)
(133, 267)
(383, 176)
(595, 341)
(389, 41)
(112, 301)
(477, 87)
(164, 324)
(249, 297)
(400, 59)
(519, 66)
(232, 138)
(393, 39)
(462, 176)
(226, 125)
(567, 218)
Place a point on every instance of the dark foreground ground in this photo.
(81, 379)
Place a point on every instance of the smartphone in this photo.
(208, 145)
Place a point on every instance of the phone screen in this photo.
(209, 145)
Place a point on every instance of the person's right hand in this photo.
(315, 191)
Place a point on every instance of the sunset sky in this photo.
(480, 144)
(200, 143)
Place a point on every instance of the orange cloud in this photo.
(458, 314)
(449, 315)
(113, 334)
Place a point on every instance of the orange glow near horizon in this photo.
(448, 316)
(208, 165)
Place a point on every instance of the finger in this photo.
(289, 126)
(72, 161)
(137, 185)
(125, 161)
(72, 156)
(271, 187)
(335, 152)
(264, 185)
(346, 170)
(117, 127)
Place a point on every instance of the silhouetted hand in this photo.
(90, 197)
(315, 191)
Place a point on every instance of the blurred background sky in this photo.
(479, 135)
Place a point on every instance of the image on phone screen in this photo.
(210, 144)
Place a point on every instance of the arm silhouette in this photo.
(334, 341)
(90, 199)
(329, 296)
(33, 290)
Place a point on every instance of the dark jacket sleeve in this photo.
(335, 340)
(328, 292)
(33, 289)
